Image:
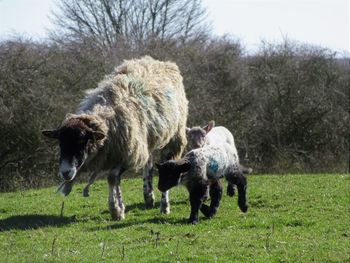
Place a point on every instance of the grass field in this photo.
(291, 218)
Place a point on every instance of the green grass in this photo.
(292, 218)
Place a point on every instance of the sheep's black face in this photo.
(169, 175)
(74, 138)
(73, 151)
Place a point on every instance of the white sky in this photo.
(319, 22)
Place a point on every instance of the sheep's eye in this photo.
(81, 140)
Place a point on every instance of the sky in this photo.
(323, 23)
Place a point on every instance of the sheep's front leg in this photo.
(215, 197)
(197, 195)
(116, 206)
(65, 188)
(164, 203)
(92, 179)
(148, 184)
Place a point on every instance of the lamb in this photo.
(202, 168)
(135, 111)
(199, 136)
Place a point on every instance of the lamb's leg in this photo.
(238, 178)
(207, 194)
(242, 196)
(116, 206)
(173, 150)
(92, 179)
(197, 194)
(215, 197)
(230, 189)
(164, 203)
(148, 184)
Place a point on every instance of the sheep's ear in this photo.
(209, 126)
(98, 135)
(188, 130)
(53, 134)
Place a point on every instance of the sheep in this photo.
(199, 136)
(135, 111)
(202, 168)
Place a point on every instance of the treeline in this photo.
(287, 105)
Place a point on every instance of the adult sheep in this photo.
(140, 108)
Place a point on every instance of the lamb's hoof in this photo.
(193, 221)
(206, 210)
(244, 208)
(86, 192)
(230, 190)
(165, 208)
(149, 201)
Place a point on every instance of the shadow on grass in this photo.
(26, 222)
(142, 206)
(156, 220)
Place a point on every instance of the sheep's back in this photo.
(145, 105)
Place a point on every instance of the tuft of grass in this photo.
(291, 218)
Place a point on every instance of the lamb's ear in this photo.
(183, 167)
(53, 134)
(209, 126)
(188, 130)
(158, 165)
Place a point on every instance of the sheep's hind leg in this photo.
(116, 206)
(215, 197)
(148, 184)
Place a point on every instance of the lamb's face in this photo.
(195, 137)
(169, 175)
(74, 138)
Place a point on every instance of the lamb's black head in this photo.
(170, 173)
(75, 138)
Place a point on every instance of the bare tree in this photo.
(108, 21)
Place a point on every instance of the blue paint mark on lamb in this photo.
(213, 165)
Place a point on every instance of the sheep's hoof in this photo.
(117, 214)
(149, 200)
(231, 190)
(164, 208)
(86, 192)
